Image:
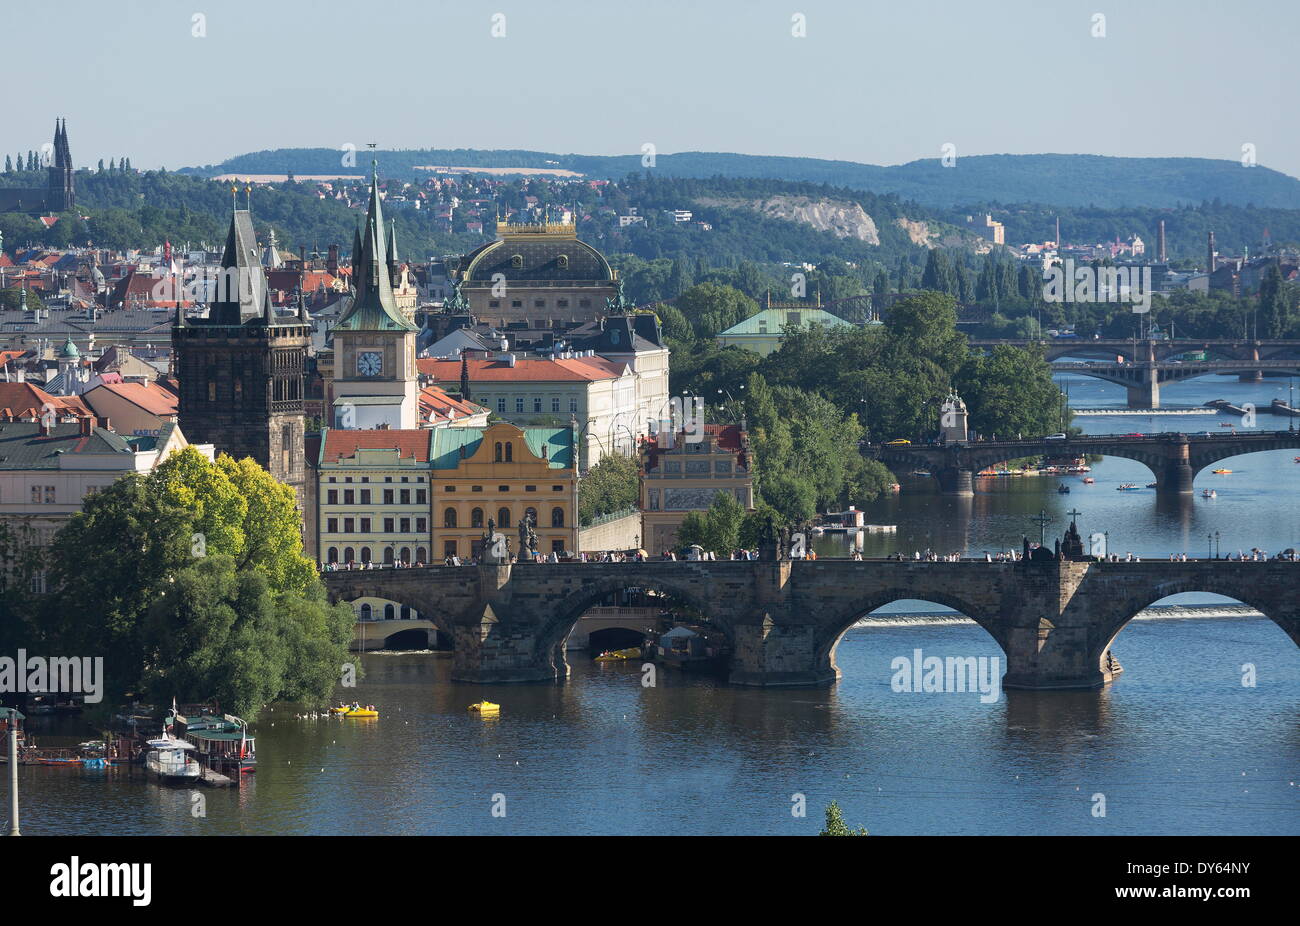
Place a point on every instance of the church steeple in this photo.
(373, 308)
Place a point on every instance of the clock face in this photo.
(370, 363)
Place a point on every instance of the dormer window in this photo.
(517, 262)
(562, 261)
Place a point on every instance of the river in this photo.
(1177, 744)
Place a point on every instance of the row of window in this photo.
(364, 479)
(350, 555)
(391, 525)
(367, 613)
(450, 517)
(502, 488)
(363, 496)
(537, 405)
(539, 303)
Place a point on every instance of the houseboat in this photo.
(221, 742)
(168, 759)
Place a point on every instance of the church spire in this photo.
(373, 308)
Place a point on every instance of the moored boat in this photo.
(221, 742)
(168, 760)
(485, 707)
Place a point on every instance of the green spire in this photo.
(373, 308)
(69, 351)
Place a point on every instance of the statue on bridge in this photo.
(527, 536)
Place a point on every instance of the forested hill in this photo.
(1058, 179)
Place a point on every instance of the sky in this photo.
(173, 83)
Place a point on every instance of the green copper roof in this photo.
(69, 351)
(771, 321)
(558, 443)
(374, 308)
(447, 443)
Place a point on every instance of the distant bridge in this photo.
(1174, 458)
(1055, 620)
(1144, 378)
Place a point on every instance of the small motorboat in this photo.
(1209, 493)
(367, 711)
(485, 707)
(1063, 489)
(1152, 485)
(1129, 487)
(1222, 472)
(1088, 480)
(167, 760)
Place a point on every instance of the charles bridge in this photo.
(1055, 618)
(1174, 458)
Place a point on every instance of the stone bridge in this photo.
(1174, 458)
(1054, 620)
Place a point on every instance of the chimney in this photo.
(1160, 243)
(106, 424)
(510, 360)
(1212, 263)
(87, 426)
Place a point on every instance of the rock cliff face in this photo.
(840, 218)
(918, 232)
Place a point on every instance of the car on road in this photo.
(1054, 437)
(896, 442)
(1135, 434)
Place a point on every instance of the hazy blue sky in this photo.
(876, 82)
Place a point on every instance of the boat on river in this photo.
(484, 707)
(221, 742)
(1129, 487)
(169, 761)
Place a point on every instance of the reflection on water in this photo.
(1167, 744)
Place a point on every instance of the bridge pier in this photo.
(954, 480)
(772, 655)
(1145, 394)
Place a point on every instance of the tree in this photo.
(1011, 392)
(132, 567)
(1274, 309)
(613, 484)
(722, 523)
(835, 825)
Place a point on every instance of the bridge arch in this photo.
(563, 615)
(1244, 587)
(835, 626)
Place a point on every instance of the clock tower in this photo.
(375, 380)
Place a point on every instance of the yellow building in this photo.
(502, 473)
(686, 476)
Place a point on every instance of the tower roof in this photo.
(69, 350)
(241, 289)
(374, 308)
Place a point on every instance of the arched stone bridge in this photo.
(1174, 458)
(1143, 379)
(1054, 620)
(1152, 348)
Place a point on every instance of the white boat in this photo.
(168, 759)
(1209, 493)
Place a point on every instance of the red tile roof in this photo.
(526, 369)
(345, 444)
(437, 402)
(26, 400)
(152, 399)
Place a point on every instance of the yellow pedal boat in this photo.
(485, 707)
(619, 655)
(362, 712)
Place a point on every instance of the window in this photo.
(365, 554)
(501, 406)
(388, 496)
(537, 404)
(557, 517)
(517, 261)
(333, 556)
(49, 495)
(405, 496)
(449, 548)
(516, 303)
(332, 526)
(519, 403)
(530, 488)
(365, 496)
(573, 405)
(477, 489)
(390, 612)
(557, 546)
(421, 525)
(503, 517)
(563, 263)
(562, 303)
(555, 403)
(557, 488)
(503, 488)
(388, 556)
(406, 554)
(404, 525)
(365, 525)
(367, 613)
(388, 525)
(539, 303)
(449, 488)
(510, 451)
(348, 527)
(421, 556)
(422, 496)
(584, 303)
(498, 452)
(449, 518)
(286, 445)
(494, 303)
(333, 496)
(476, 518)
(349, 555)
(349, 496)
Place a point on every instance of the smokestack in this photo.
(1160, 243)
(1058, 235)
(1213, 261)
